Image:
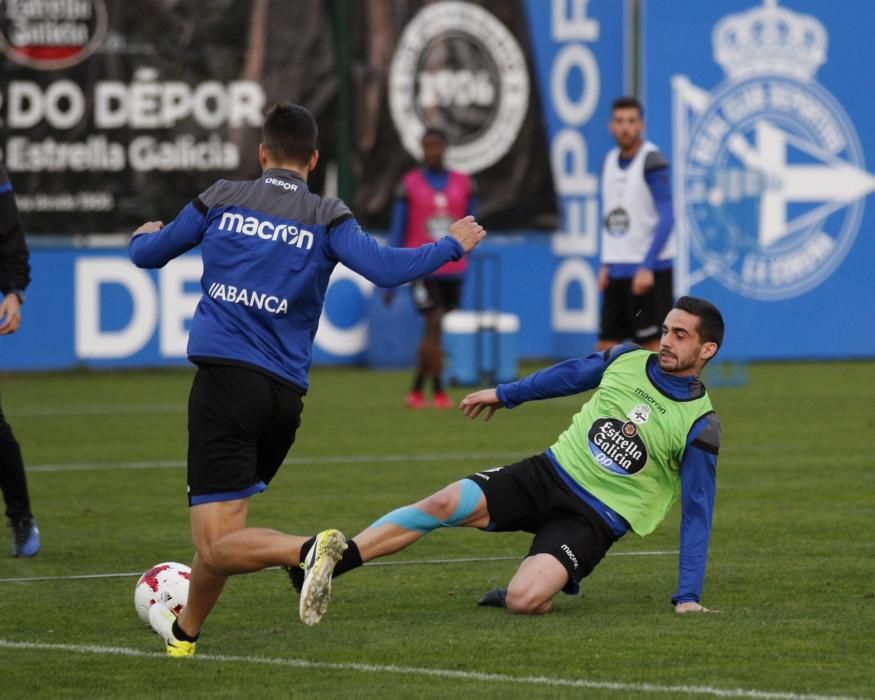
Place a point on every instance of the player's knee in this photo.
(524, 600)
(209, 558)
(441, 505)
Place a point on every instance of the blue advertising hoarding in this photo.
(92, 307)
(579, 53)
(769, 131)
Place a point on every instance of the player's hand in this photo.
(10, 314)
(643, 281)
(691, 607)
(149, 227)
(603, 278)
(474, 404)
(468, 232)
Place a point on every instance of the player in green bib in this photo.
(645, 437)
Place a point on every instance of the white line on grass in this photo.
(408, 562)
(431, 672)
(332, 459)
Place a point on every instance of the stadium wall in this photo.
(758, 106)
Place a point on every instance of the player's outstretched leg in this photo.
(318, 569)
(162, 619)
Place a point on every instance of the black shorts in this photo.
(626, 316)
(433, 292)
(530, 496)
(241, 424)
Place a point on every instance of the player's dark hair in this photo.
(289, 133)
(436, 131)
(710, 319)
(626, 102)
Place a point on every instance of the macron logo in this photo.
(565, 548)
(287, 186)
(266, 230)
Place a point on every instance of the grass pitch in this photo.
(792, 568)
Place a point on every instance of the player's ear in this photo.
(262, 155)
(708, 351)
(314, 159)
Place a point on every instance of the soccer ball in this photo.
(165, 583)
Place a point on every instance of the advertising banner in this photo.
(94, 308)
(118, 112)
(579, 51)
(114, 112)
(466, 68)
(770, 133)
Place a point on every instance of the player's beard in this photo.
(672, 363)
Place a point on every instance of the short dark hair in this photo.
(710, 319)
(436, 131)
(627, 102)
(289, 132)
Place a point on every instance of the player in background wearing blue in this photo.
(269, 246)
(636, 275)
(428, 199)
(14, 278)
(647, 435)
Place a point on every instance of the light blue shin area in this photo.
(412, 518)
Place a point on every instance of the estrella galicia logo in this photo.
(773, 173)
(48, 34)
(617, 446)
(458, 68)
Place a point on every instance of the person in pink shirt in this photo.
(428, 199)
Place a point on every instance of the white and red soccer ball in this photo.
(165, 583)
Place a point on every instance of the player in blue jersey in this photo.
(14, 278)
(269, 246)
(637, 248)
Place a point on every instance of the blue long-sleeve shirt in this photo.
(698, 468)
(269, 247)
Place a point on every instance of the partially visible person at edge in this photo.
(14, 279)
(428, 199)
(269, 246)
(636, 274)
(648, 434)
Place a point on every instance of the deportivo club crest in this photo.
(457, 67)
(771, 172)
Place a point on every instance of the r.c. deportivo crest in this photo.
(770, 171)
(457, 67)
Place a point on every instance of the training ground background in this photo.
(792, 567)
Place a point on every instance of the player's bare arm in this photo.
(468, 232)
(474, 404)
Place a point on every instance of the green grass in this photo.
(792, 566)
